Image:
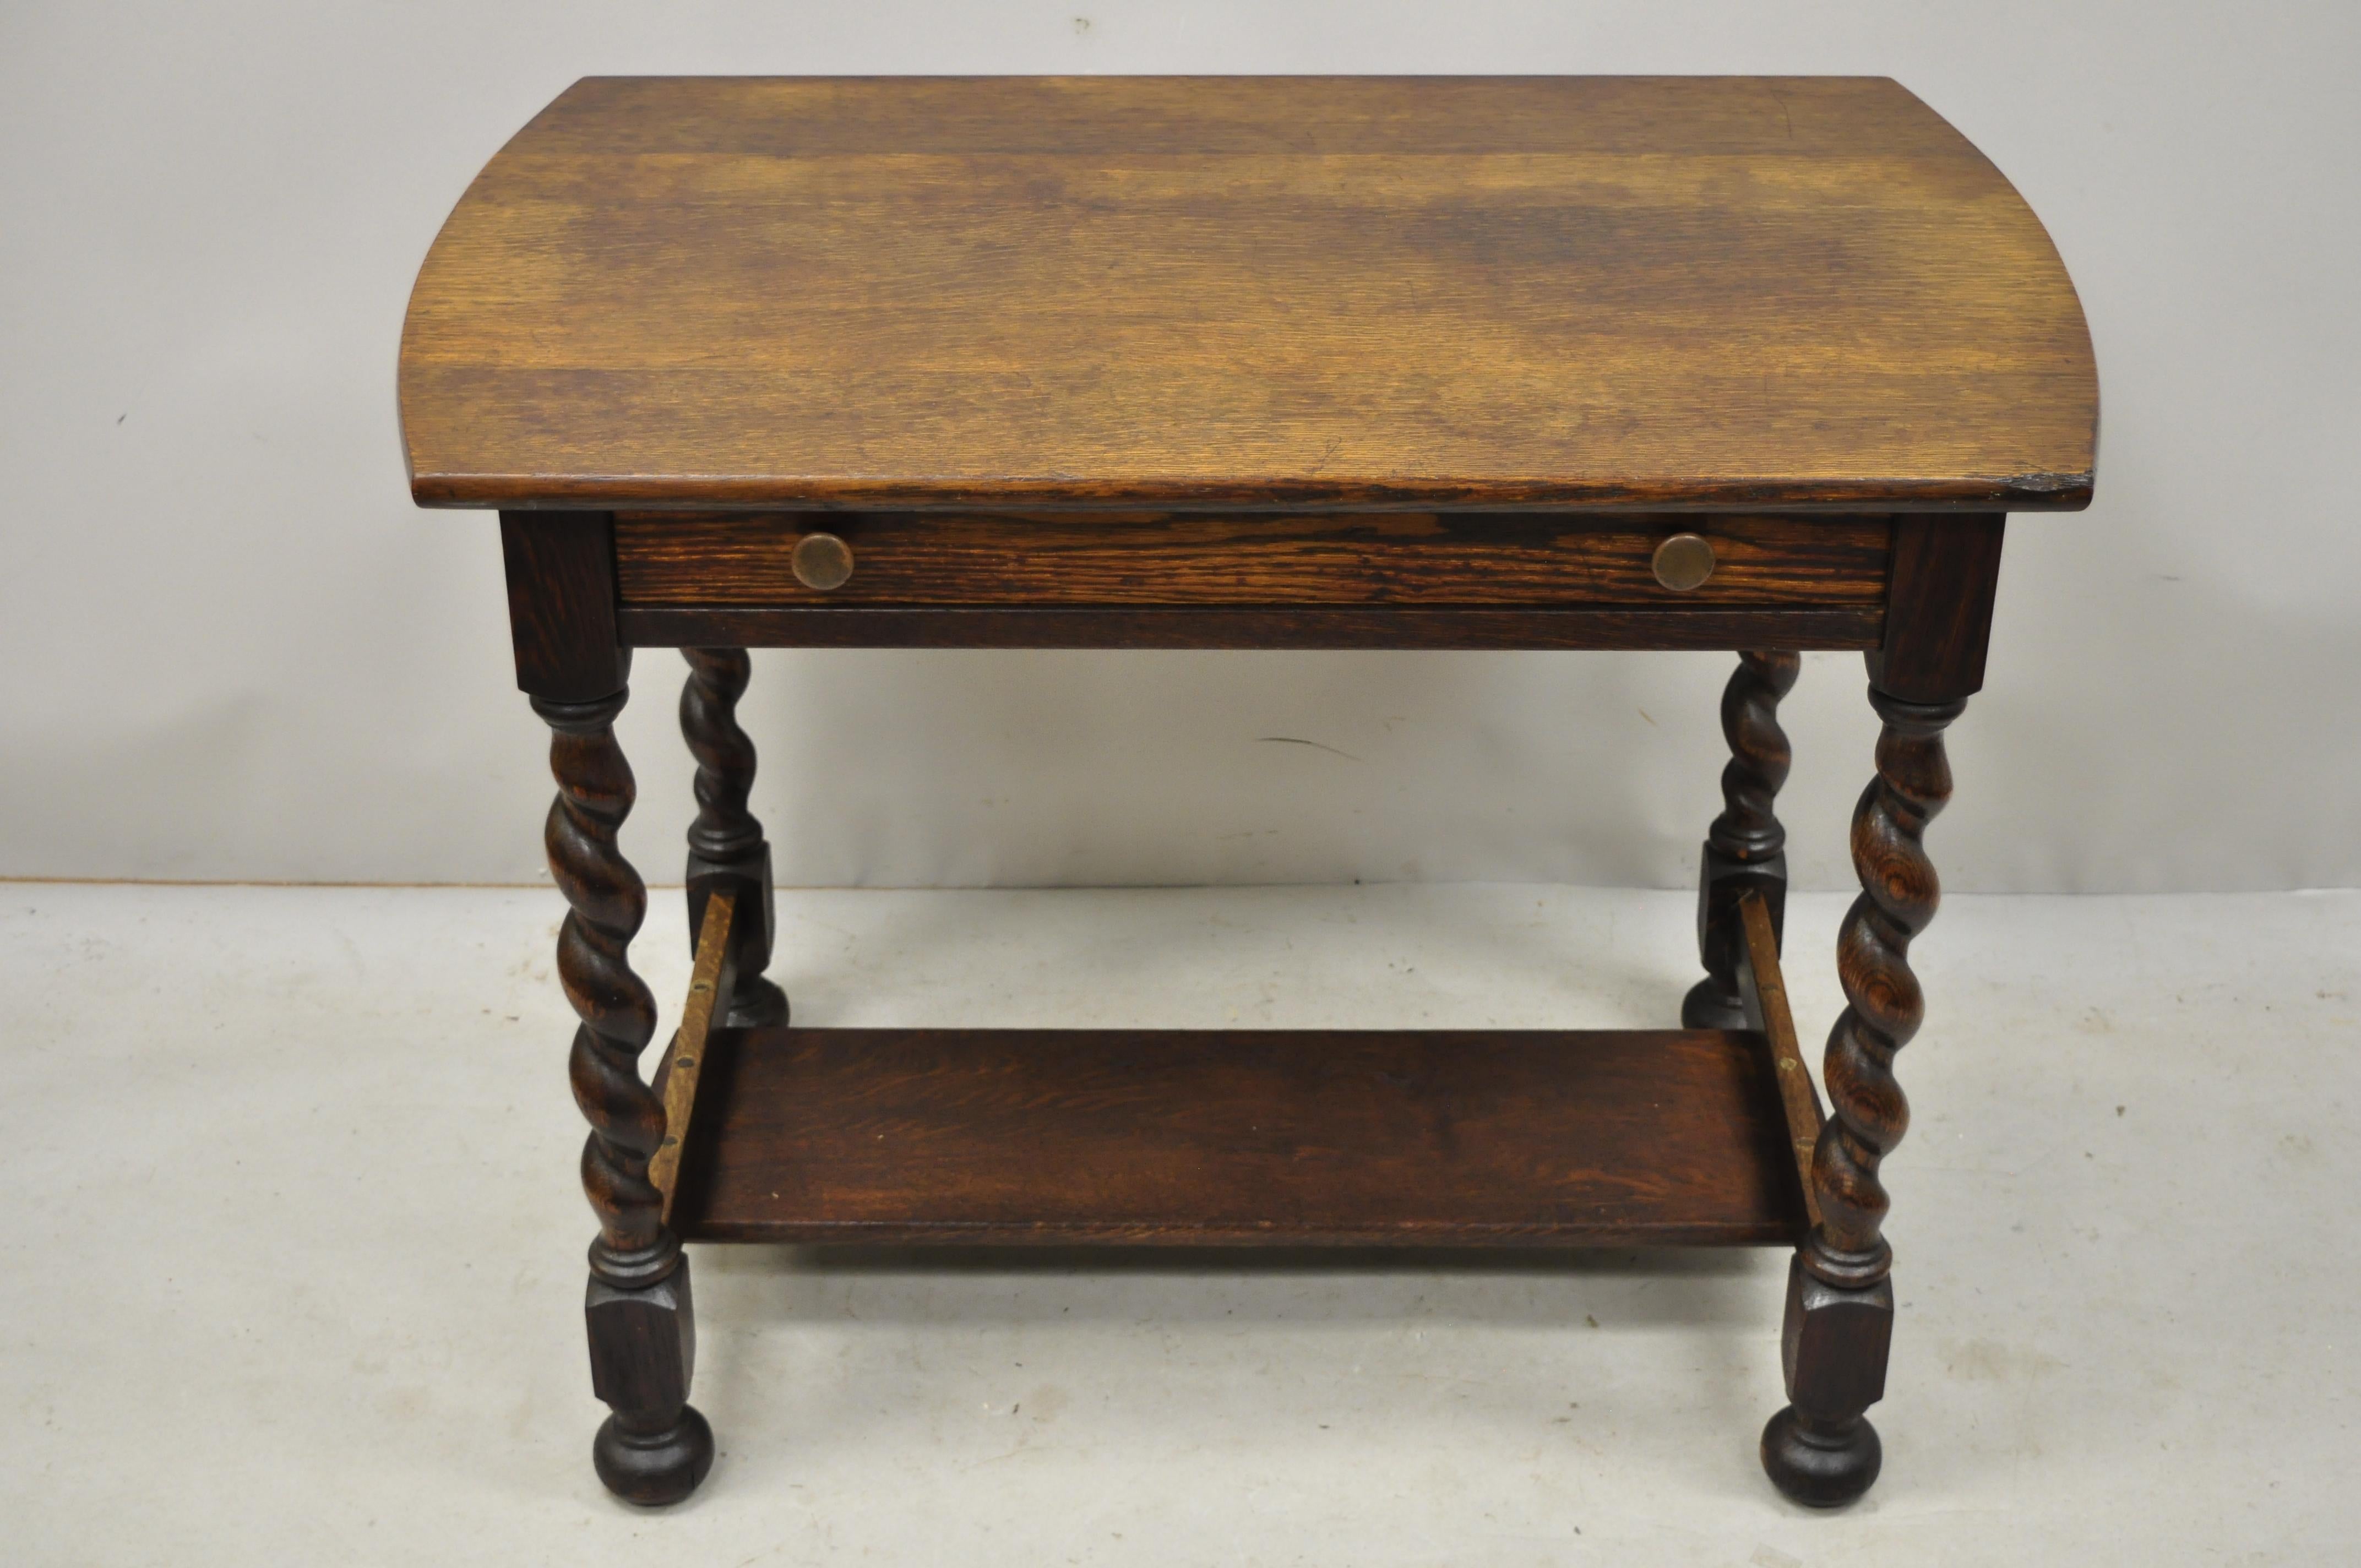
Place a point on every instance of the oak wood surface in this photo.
(916, 558)
(1415, 292)
(1765, 990)
(1479, 1137)
(683, 1068)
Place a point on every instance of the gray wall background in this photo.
(233, 650)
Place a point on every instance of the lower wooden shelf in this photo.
(1226, 1137)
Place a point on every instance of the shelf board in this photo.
(1478, 1137)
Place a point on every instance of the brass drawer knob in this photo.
(1683, 561)
(822, 561)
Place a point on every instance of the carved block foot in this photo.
(655, 1448)
(1819, 1449)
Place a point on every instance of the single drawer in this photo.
(877, 560)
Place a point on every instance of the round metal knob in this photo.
(1683, 561)
(821, 561)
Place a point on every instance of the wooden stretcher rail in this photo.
(1764, 991)
(683, 1068)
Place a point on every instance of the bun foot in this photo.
(756, 1003)
(1820, 1466)
(653, 1468)
(1706, 1008)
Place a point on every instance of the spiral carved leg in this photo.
(1821, 1450)
(643, 1337)
(725, 844)
(1745, 850)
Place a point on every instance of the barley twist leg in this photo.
(1821, 1448)
(725, 844)
(654, 1448)
(1745, 850)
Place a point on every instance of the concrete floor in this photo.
(297, 1245)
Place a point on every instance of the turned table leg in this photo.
(726, 848)
(1821, 1449)
(1745, 850)
(571, 661)
(654, 1448)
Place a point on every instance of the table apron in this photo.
(1275, 626)
(1176, 580)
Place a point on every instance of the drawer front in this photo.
(670, 560)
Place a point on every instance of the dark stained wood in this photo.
(562, 597)
(726, 846)
(1883, 1006)
(1421, 293)
(1821, 1449)
(1746, 848)
(1764, 991)
(606, 903)
(1270, 627)
(654, 1448)
(1099, 559)
(1483, 1137)
(1938, 619)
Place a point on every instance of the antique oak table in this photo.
(1687, 362)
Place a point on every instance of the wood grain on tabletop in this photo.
(1415, 293)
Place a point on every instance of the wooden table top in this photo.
(1422, 292)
